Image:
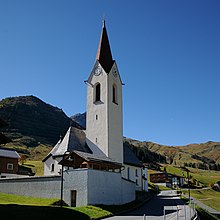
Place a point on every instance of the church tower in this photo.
(104, 132)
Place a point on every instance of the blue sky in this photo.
(167, 52)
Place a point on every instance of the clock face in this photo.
(97, 71)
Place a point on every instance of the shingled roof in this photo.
(130, 158)
(9, 153)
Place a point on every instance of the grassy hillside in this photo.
(204, 156)
(34, 126)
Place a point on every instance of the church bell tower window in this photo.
(97, 92)
(114, 94)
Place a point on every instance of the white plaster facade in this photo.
(134, 174)
(104, 117)
(52, 166)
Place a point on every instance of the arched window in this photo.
(114, 94)
(97, 92)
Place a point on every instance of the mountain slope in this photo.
(32, 121)
(204, 154)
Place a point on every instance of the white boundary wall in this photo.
(92, 186)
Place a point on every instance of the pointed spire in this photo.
(104, 55)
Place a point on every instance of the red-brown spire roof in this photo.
(104, 55)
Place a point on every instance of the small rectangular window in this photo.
(96, 117)
(52, 168)
(10, 166)
(128, 173)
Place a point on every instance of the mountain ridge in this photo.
(34, 124)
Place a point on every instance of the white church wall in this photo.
(40, 187)
(145, 179)
(96, 116)
(76, 180)
(91, 186)
(109, 188)
(134, 174)
(48, 166)
(115, 140)
(128, 191)
(50, 186)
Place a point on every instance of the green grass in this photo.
(162, 188)
(203, 214)
(206, 177)
(36, 166)
(207, 196)
(15, 202)
(24, 200)
(93, 211)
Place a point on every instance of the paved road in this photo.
(154, 209)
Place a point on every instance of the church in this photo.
(103, 169)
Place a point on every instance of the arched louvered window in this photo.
(97, 92)
(114, 94)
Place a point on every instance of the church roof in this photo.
(104, 55)
(130, 158)
(95, 158)
(75, 141)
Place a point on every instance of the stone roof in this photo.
(9, 153)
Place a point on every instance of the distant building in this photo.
(8, 157)
(166, 179)
(8, 162)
